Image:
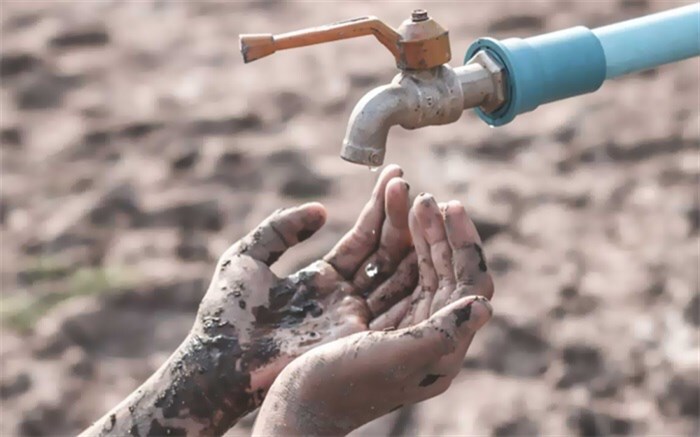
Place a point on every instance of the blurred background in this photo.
(136, 146)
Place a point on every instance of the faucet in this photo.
(417, 98)
(426, 91)
(500, 79)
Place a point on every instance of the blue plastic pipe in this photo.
(650, 41)
(575, 61)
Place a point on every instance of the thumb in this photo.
(463, 317)
(280, 231)
(448, 332)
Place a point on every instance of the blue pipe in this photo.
(575, 61)
(650, 41)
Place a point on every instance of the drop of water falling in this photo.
(373, 169)
(371, 270)
(492, 126)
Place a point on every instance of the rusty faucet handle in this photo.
(256, 46)
(419, 43)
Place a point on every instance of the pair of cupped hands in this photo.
(383, 320)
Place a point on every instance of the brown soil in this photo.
(136, 146)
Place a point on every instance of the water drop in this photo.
(294, 309)
(492, 126)
(371, 270)
(373, 169)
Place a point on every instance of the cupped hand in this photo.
(273, 320)
(338, 387)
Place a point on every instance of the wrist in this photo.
(199, 390)
(286, 411)
(204, 381)
(285, 416)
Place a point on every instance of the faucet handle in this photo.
(256, 46)
(419, 43)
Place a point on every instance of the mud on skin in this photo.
(202, 390)
(482, 260)
(211, 381)
(290, 304)
(462, 315)
(214, 385)
(430, 379)
(208, 383)
(479, 260)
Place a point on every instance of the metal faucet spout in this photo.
(413, 99)
(370, 121)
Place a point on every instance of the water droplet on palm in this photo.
(371, 270)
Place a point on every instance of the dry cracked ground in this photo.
(136, 146)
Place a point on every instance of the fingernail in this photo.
(391, 167)
(454, 204)
(427, 199)
(451, 208)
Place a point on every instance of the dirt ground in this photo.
(136, 146)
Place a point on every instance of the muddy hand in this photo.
(451, 264)
(342, 385)
(275, 320)
(251, 324)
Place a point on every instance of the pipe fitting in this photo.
(496, 94)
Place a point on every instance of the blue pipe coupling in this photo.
(543, 69)
(574, 61)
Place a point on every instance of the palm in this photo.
(379, 372)
(276, 319)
